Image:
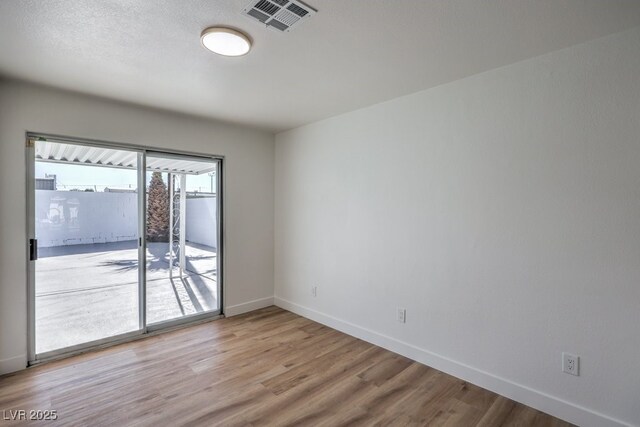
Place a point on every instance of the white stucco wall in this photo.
(201, 221)
(77, 217)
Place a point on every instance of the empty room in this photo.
(320, 212)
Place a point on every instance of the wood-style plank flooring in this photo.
(268, 367)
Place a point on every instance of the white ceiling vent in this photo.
(280, 15)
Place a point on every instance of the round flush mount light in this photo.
(225, 41)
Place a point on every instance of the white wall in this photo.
(502, 211)
(201, 221)
(249, 175)
(78, 217)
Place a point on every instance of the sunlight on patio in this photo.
(107, 304)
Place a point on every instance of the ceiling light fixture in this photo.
(225, 41)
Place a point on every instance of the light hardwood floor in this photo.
(268, 367)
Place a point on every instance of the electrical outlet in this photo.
(402, 315)
(571, 364)
(314, 291)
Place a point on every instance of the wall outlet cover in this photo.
(571, 364)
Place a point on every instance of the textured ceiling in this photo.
(351, 54)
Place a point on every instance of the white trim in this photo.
(245, 307)
(539, 400)
(13, 364)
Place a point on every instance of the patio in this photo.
(89, 292)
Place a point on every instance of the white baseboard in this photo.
(534, 398)
(13, 364)
(234, 310)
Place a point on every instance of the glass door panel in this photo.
(182, 237)
(86, 224)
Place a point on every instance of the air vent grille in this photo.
(258, 15)
(267, 7)
(280, 15)
(297, 10)
(287, 18)
(277, 24)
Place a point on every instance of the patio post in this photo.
(183, 222)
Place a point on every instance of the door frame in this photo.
(144, 329)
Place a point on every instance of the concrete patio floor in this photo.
(89, 292)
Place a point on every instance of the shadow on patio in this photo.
(89, 292)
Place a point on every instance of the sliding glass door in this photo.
(97, 214)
